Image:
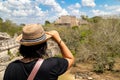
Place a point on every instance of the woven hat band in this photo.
(43, 37)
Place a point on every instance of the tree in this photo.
(1, 20)
(84, 17)
(22, 24)
(96, 19)
(47, 22)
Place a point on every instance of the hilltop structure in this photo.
(69, 21)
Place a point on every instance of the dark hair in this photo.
(35, 51)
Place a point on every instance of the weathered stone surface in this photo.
(4, 57)
(1, 75)
(53, 48)
(4, 35)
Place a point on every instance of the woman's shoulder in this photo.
(13, 64)
(56, 64)
(55, 61)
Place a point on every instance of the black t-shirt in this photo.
(50, 69)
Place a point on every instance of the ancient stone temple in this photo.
(70, 21)
(67, 21)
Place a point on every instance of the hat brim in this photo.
(20, 37)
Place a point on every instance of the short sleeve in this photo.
(61, 66)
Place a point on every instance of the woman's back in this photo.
(50, 69)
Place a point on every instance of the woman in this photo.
(33, 46)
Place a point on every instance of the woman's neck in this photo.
(26, 60)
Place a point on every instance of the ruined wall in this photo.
(52, 48)
(67, 20)
(8, 47)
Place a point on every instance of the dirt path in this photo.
(83, 71)
(67, 76)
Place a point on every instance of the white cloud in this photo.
(107, 10)
(118, 10)
(100, 12)
(74, 6)
(55, 7)
(18, 2)
(3, 8)
(39, 13)
(89, 3)
(77, 5)
(77, 13)
(63, 12)
(19, 13)
(74, 10)
(27, 11)
(19, 8)
(114, 8)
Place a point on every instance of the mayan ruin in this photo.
(69, 21)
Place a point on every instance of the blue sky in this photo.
(38, 11)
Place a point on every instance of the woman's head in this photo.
(34, 51)
(32, 34)
(33, 41)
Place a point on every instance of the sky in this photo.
(38, 11)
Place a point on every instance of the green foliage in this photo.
(110, 63)
(100, 42)
(105, 42)
(1, 20)
(75, 27)
(10, 54)
(99, 67)
(10, 28)
(95, 19)
(103, 63)
(47, 23)
(83, 35)
(18, 54)
(84, 17)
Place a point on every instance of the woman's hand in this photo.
(55, 35)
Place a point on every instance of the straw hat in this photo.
(32, 34)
